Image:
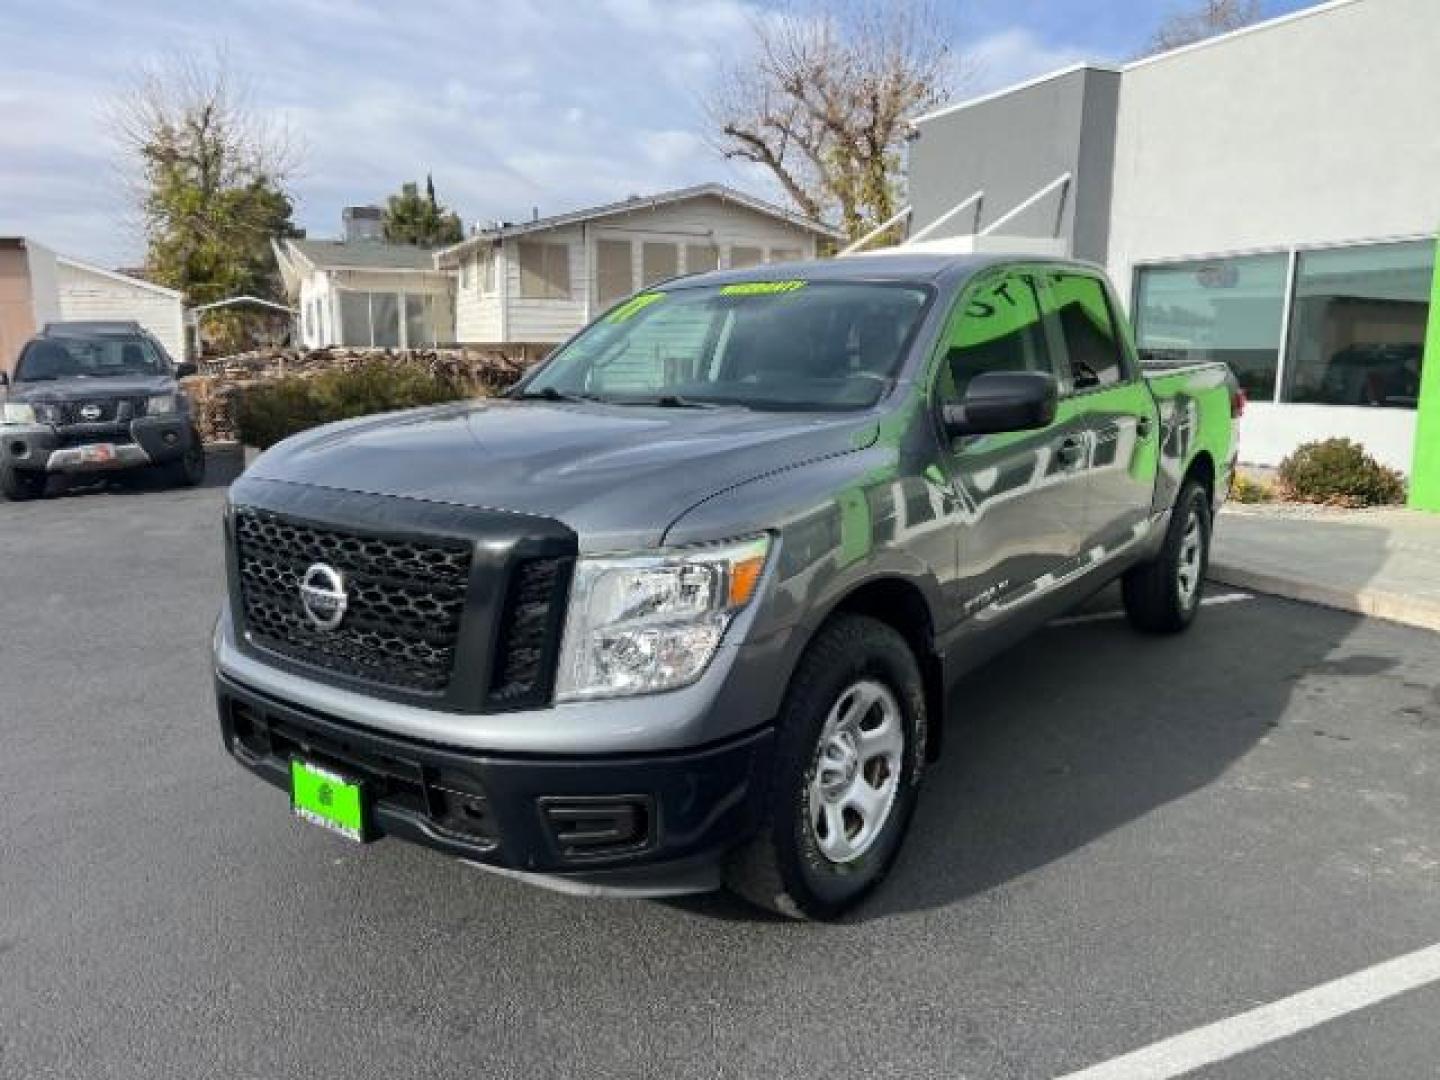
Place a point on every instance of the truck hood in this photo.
(617, 475)
(91, 389)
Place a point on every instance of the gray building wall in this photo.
(1315, 129)
(1012, 145)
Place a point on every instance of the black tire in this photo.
(188, 470)
(1157, 597)
(783, 867)
(20, 485)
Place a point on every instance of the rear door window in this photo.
(1094, 354)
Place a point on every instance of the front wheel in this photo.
(189, 469)
(19, 485)
(849, 754)
(1163, 595)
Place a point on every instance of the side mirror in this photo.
(1003, 401)
(185, 369)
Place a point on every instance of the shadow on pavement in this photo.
(1086, 727)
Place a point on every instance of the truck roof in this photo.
(893, 265)
(92, 327)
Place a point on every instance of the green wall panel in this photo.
(1425, 473)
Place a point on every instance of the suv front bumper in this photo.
(146, 441)
(639, 825)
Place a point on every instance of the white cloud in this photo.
(1015, 55)
(510, 103)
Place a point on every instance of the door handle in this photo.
(1070, 451)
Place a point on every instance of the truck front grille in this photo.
(405, 599)
(102, 410)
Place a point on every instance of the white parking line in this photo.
(1269, 1023)
(1101, 616)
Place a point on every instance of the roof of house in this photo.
(361, 255)
(639, 203)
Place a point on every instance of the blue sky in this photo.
(512, 104)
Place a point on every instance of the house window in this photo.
(370, 319)
(785, 255)
(1357, 328)
(467, 271)
(419, 320)
(354, 318)
(701, 257)
(544, 270)
(658, 261)
(614, 270)
(1219, 309)
(741, 257)
(489, 267)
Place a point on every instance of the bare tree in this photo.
(823, 97)
(1204, 20)
(208, 176)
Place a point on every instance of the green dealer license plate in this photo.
(327, 799)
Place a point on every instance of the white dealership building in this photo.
(1269, 197)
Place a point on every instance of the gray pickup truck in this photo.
(94, 397)
(685, 608)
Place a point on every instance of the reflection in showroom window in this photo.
(1228, 309)
(1357, 329)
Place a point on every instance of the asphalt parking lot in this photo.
(1127, 839)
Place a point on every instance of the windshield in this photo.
(92, 357)
(765, 345)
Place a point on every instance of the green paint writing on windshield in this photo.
(761, 288)
(634, 306)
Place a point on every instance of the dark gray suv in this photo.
(89, 397)
(685, 609)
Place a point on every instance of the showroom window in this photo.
(1218, 309)
(1357, 328)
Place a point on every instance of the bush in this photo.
(1338, 472)
(270, 411)
(1247, 489)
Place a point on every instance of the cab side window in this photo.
(1087, 326)
(996, 327)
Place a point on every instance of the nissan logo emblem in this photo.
(322, 595)
(90, 412)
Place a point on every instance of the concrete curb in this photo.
(1395, 607)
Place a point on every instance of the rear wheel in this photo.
(1163, 595)
(18, 485)
(849, 753)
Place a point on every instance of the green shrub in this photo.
(267, 412)
(1338, 472)
(1247, 489)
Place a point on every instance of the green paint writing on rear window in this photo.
(761, 288)
(634, 306)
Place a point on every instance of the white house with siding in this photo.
(537, 282)
(38, 286)
(363, 292)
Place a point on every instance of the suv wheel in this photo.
(189, 469)
(19, 485)
(1163, 595)
(848, 758)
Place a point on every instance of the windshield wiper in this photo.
(665, 401)
(549, 393)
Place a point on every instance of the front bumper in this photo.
(136, 443)
(639, 825)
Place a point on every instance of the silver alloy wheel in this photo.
(856, 772)
(1192, 561)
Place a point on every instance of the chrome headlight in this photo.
(638, 624)
(160, 405)
(17, 412)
